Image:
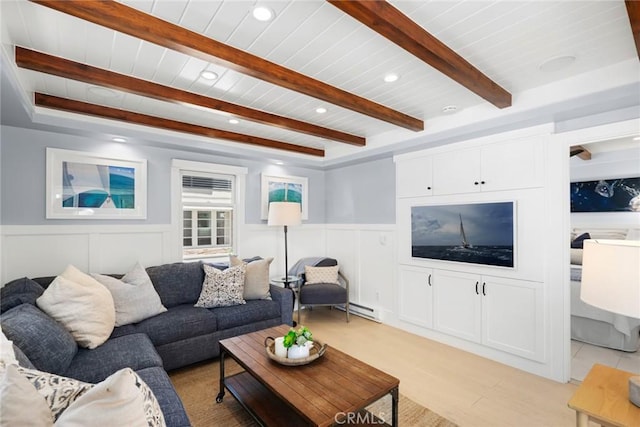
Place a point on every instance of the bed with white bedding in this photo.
(593, 325)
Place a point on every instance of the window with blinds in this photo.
(208, 212)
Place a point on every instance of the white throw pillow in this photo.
(134, 296)
(222, 288)
(20, 402)
(256, 279)
(123, 399)
(321, 274)
(82, 305)
(7, 355)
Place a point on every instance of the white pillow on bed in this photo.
(576, 256)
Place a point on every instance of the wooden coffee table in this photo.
(333, 389)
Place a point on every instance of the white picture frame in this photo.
(284, 188)
(83, 185)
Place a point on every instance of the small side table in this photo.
(291, 282)
(603, 397)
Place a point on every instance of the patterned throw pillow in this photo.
(59, 392)
(321, 274)
(222, 288)
(121, 399)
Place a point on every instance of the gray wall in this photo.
(364, 193)
(23, 166)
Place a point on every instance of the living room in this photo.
(358, 199)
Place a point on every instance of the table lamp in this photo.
(611, 281)
(285, 213)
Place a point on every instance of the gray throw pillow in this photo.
(45, 342)
(134, 296)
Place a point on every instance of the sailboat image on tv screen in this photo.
(465, 242)
(476, 233)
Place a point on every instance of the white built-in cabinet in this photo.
(500, 166)
(416, 296)
(492, 307)
(505, 314)
(415, 177)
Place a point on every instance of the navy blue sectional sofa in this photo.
(181, 336)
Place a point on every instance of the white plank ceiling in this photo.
(506, 40)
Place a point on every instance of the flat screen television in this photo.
(476, 233)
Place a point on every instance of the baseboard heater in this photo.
(362, 311)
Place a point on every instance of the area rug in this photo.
(198, 386)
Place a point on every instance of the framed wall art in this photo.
(89, 186)
(476, 233)
(606, 195)
(284, 189)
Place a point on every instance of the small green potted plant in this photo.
(298, 342)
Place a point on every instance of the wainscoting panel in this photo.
(367, 255)
(34, 251)
(42, 255)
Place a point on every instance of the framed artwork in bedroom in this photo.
(606, 195)
(91, 186)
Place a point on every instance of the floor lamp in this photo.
(611, 281)
(285, 213)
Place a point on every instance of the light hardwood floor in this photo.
(466, 389)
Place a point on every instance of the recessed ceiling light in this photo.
(279, 162)
(103, 91)
(263, 13)
(208, 75)
(637, 138)
(234, 121)
(557, 63)
(391, 77)
(321, 110)
(449, 109)
(119, 139)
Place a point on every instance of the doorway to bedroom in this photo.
(602, 170)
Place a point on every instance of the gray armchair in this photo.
(327, 294)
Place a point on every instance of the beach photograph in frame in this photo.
(85, 185)
(476, 233)
(284, 189)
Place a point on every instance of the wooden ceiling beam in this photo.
(73, 106)
(127, 20)
(633, 11)
(61, 67)
(392, 24)
(580, 151)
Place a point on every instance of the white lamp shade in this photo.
(284, 213)
(611, 276)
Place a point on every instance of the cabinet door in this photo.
(416, 301)
(456, 172)
(512, 165)
(413, 177)
(512, 316)
(457, 304)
